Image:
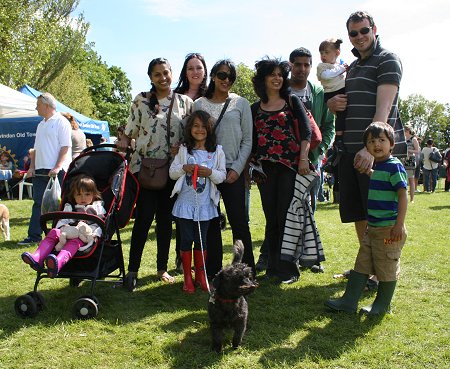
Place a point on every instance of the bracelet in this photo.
(303, 159)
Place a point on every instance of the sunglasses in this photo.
(223, 76)
(363, 31)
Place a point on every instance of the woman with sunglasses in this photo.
(233, 129)
(279, 153)
(192, 81)
(147, 124)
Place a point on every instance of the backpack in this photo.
(435, 156)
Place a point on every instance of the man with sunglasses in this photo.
(372, 86)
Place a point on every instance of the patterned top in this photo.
(150, 131)
(275, 138)
(363, 78)
(387, 178)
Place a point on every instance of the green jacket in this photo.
(324, 119)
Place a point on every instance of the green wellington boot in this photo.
(349, 301)
(382, 303)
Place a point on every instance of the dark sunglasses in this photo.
(223, 76)
(363, 31)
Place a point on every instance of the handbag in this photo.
(316, 134)
(435, 156)
(154, 173)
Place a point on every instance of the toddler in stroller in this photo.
(69, 235)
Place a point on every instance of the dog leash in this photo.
(194, 185)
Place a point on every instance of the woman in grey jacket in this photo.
(234, 134)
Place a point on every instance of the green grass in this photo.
(158, 326)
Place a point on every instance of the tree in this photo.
(243, 85)
(109, 87)
(429, 119)
(38, 38)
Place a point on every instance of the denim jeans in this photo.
(430, 179)
(40, 181)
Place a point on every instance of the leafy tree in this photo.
(38, 38)
(429, 119)
(109, 87)
(243, 85)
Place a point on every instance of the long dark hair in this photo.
(183, 82)
(264, 68)
(212, 85)
(208, 123)
(154, 105)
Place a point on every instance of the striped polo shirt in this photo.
(387, 178)
(363, 78)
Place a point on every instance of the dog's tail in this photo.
(238, 251)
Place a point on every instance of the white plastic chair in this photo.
(28, 185)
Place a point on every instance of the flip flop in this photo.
(166, 277)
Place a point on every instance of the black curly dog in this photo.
(227, 305)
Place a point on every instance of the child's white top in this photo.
(331, 76)
(216, 162)
(96, 208)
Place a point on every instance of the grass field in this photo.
(158, 326)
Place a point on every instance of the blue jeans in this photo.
(427, 173)
(189, 234)
(40, 181)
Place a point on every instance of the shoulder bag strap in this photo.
(169, 114)
(227, 102)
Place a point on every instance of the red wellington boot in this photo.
(200, 275)
(186, 259)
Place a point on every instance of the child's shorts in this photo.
(379, 255)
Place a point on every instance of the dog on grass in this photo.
(228, 306)
(4, 222)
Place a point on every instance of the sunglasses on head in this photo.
(223, 76)
(363, 31)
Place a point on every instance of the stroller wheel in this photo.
(38, 299)
(85, 308)
(25, 306)
(223, 221)
(74, 282)
(130, 281)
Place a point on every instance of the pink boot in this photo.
(36, 260)
(56, 262)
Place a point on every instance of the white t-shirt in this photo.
(427, 163)
(51, 136)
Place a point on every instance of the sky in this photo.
(129, 34)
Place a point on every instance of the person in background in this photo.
(147, 124)
(280, 154)
(77, 135)
(446, 163)
(52, 156)
(234, 134)
(410, 161)
(430, 168)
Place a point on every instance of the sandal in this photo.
(166, 277)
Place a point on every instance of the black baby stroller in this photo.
(103, 261)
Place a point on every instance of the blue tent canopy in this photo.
(87, 125)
